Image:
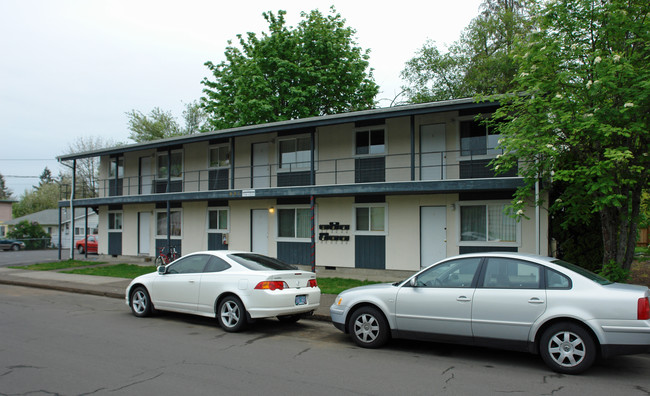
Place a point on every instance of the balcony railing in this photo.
(447, 165)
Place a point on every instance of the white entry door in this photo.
(260, 231)
(261, 168)
(433, 234)
(432, 149)
(144, 233)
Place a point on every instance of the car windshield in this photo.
(584, 272)
(257, 262)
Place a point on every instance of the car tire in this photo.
(231, 314)
(567, 348)
(15, 248)
(289, 318)
(140, 302)
(368, 327)
(81, 250)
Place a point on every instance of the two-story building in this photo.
(392, 188)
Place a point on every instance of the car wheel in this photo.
(368, 327)
(140, 302)
(81, 250)
(567, 348)
(15, 248)
(289, 318)
(231, 314)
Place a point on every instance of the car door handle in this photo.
(192, 281)
(536, 300)
(463, 299)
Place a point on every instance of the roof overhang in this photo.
(312, 122)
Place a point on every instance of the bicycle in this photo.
(166, 258)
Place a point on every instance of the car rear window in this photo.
(258, 262)
(584, 272)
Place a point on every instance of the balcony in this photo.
(354, 171)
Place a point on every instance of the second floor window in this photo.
(220, 156)
(116, 168)
(370, 142)
(477, 139)
(295, 153)
(173, 166)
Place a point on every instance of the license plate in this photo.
(301, 300)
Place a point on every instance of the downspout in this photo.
(412, 148)
(169, 186)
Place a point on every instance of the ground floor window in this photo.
(486, 223)
(114, 221)
(218, 220)
(175, 223)
(294, 223)
(370, 219)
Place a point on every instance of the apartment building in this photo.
(391, 189)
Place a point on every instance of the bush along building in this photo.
(387, 189)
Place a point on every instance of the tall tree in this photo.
(45, 178)
(5, 192)
(87, 169)
(579, 114)
(480, 62)
(311, 70)
(160, 124)
(45, 197)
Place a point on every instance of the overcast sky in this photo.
(70, 69)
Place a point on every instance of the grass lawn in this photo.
(128, 271)
(57, 265)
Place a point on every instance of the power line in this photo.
(27, 159)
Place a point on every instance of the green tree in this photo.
(45, 178)
(32, 234)
(160, 124)
(580, 115)
(5, 192)
(480, 62)
(311, 70)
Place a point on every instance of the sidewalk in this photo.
(101, 285)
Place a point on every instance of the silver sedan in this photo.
(565, 313)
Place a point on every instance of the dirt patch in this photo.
(640, 272)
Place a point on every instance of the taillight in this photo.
(272, 285)
(312, 283)
(643, 309)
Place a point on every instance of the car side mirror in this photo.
(161, 270)
(414, 281)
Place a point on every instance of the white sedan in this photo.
(233, 286)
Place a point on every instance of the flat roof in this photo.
(311, 122)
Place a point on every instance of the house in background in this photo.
(49, 220)
(5, 215)
(388, 189)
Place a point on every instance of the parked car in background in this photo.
(11, 244)
(568, 315)
(90, 244)
(234, 287)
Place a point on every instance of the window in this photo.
(189, 265)
(295, 153)
(370, 142)
(164, 166)
(175, 223)
(219, 156)
(502, 273)
(218, 220)
(370, 219)
(294, 222)
(486, 223)
(116, 168)
(455, 273)
(114, 221)
(555, 280)
(477, 139)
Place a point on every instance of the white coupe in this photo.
(234, 287)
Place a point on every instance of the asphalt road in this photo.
(69, 344)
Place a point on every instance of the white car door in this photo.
(509, 299)
(440, 302)
(178, 288)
